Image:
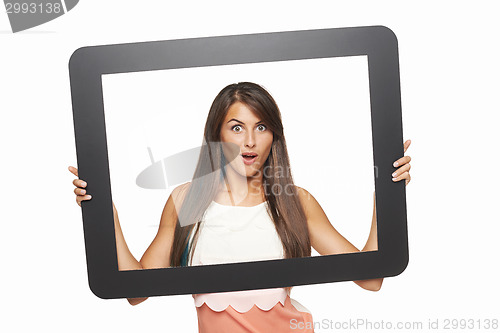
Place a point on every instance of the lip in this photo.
(249, 161)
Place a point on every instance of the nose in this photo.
(250, 140)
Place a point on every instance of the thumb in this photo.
(406, 145)
(73, 170)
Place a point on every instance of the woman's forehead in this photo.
(241, 112)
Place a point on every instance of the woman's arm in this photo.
(157, 254)
(126, 261)
(371, 245)
(327, 240)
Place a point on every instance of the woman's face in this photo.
(250, 140)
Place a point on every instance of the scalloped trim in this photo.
(242, 301)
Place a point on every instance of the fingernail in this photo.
(395, 164)
(89, 196)
(84, 184)
(394, 174)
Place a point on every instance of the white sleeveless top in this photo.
(230, 234)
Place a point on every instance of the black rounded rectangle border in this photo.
(86, 66)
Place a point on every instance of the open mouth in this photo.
(249, 158)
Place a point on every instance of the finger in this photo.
(80, 191)
(401, 170)
(79, 183)
(408, 179)
(405, 167)
(73, 170)
(80, 198)
(402, 176)
(403, 160)
(406, 145)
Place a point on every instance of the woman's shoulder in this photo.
(303, 194)
(301, 191)
(181, 187)
(180, 191)
(309, 203)
(172, 206)
(178, 194)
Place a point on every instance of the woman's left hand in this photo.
(403, 172)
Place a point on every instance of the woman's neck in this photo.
(242, 189)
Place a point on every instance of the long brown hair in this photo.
(284, 207)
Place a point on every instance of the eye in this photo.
(261, 128)
(236, 128)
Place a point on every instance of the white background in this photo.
(325, 105)
(449, 82)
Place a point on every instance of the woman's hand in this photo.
(403, 172)
(81, 193)
(126, 260)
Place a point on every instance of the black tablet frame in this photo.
(88, 64)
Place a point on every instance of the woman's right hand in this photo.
(81, 193)
(125, 258)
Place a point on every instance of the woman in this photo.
(239, 178)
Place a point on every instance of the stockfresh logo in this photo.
(31, 13)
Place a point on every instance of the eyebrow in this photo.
(234, 119)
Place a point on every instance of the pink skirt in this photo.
(280, 318)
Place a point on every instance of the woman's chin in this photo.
(248, 171)
(252, 171)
